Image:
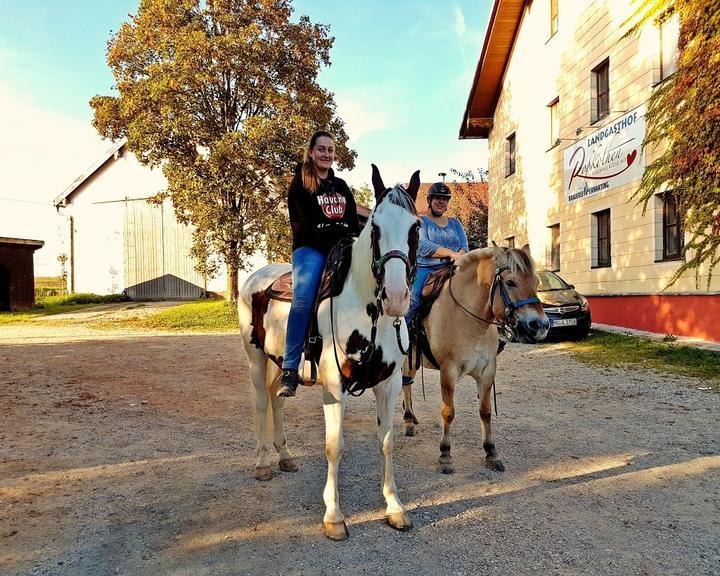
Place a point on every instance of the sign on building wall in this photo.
(607, 158)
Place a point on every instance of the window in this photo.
(600, 91)
(669, 34)
(554, 123)
(555, 247)
(553, 17)
(510, 241)
(672, 228)
(510, 155)
(601, 239)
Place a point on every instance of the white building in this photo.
(118, 242)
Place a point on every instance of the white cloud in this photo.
(364, 113)
(42, 152)
(459, 22)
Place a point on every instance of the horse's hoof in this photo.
(400, 521)
(410, 431)
(336, 531)
(495, 465)
(263, 473)
(415, 420)
(446, 465)
(288, 465)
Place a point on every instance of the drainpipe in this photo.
(72, 255)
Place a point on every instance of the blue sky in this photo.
(401, 73)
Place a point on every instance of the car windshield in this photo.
(551, 281)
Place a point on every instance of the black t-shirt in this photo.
(322, 218)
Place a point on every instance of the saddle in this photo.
(337, 266)
(336, 269)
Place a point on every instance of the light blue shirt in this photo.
(433, 237)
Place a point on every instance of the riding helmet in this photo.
(438, 189)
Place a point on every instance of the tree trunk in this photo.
(232, 283)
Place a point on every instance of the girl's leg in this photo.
(415, 293)
(307, 266)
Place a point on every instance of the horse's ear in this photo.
(498, 254)
(378, 185)
(414, 185)
(526, 249)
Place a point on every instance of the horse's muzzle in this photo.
(396, 302)
(532, 328)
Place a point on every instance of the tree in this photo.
(471, 206)
(683, 119)
(223, 95)
(363, 195)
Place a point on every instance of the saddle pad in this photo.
(281, 288)
(336, 269)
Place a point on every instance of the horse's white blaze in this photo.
(395, 237)
(396, 289)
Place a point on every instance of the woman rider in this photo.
(442, 239)
(322, 211)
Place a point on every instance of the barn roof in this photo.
(61, 200)
(34, 244)
(496, 51)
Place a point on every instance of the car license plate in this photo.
(564, 322)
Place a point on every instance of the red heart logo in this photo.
(631, 157)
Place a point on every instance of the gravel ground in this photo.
(126, 453)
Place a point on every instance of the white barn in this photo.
(118, 242)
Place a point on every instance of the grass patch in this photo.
(610, 349)
(50, 305)
(201, 315)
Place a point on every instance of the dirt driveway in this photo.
(127, 453)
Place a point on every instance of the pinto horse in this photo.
(363, 342)
(492, 288)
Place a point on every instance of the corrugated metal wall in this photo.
(158, 265)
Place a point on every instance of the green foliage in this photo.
(50, 305)
(683, 121)
(222, 94)
(609, 349)
(364, 196)
(80, 298)
(202, 315)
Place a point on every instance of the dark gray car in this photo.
(567, 310)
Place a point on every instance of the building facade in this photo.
(561, 94)
(119, 243)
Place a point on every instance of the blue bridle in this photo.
(510, 306)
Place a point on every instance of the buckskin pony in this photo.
(492, 288)
(363, 342)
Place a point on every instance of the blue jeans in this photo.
(416, 291)
(307, 268)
